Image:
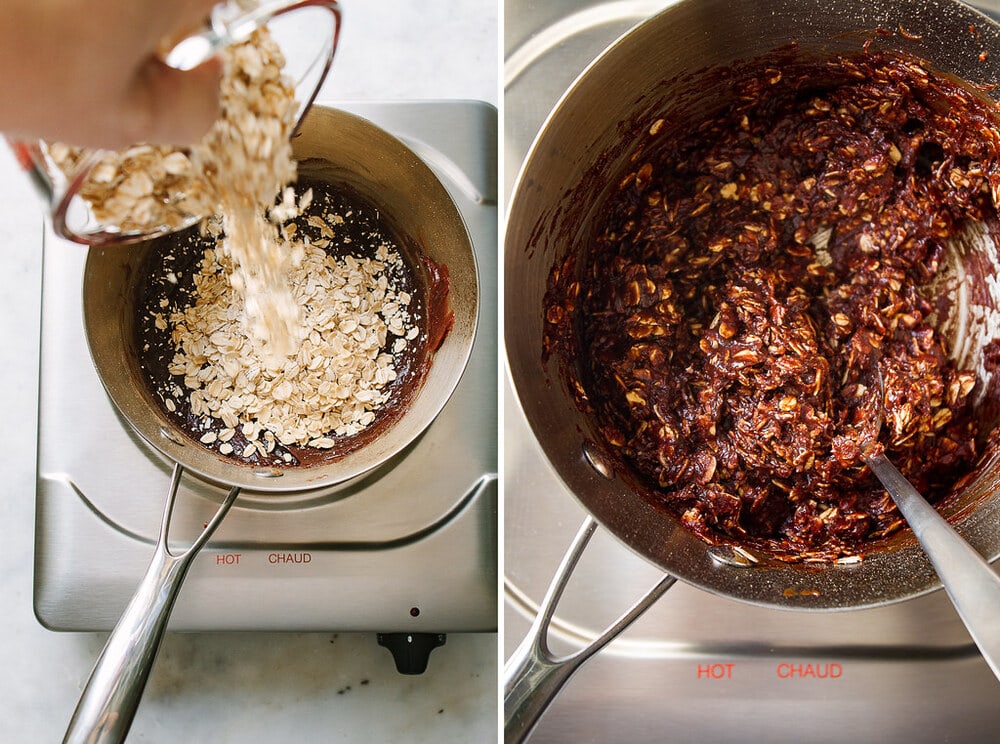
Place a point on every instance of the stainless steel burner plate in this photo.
(698, 667)
(412, 547)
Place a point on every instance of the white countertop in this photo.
(231, 687)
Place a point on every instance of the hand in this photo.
(85, 72)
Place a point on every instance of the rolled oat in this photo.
(360, 335)
(236, 171)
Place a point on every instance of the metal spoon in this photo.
(971, 583)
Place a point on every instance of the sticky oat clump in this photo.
(766, 289)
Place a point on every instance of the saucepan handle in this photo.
(532, 676)
(111, 697)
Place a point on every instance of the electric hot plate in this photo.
(410, 548)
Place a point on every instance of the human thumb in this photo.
(170, 107)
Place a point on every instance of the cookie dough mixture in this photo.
(760, 277)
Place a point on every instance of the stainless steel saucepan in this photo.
(559, 196)
(342, 150)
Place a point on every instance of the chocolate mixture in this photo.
(751, 275)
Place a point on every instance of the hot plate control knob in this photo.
(411, 650)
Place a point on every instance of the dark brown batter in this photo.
(753, 272)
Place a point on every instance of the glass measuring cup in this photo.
(307, 32)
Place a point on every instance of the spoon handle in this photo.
(971, 583)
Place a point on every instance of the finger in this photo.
(167, 23)
(170, 107)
